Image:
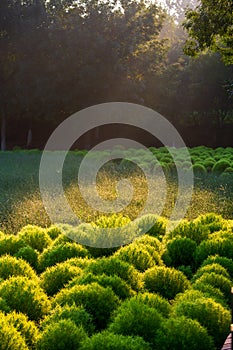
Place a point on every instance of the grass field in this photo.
(21, 204)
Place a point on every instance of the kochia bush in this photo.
(165, 281)
(136, 319)
(210, 314)
(182, 333)
(110, 341)
(60, 253)
(77, 314)
(35, 237)
(98, 301)
(61, 335)
(54, 278)
(10, 266)
(24, 326)
(11, 339)
(24, 295)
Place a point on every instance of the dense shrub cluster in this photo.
(164, 290)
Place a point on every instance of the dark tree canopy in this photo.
(210, 26)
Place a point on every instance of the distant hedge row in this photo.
(200, 159)
(165, 290)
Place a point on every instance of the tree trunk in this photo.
(29, 138)
(3, 133)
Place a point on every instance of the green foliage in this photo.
(154, 301)
(220, 166)
(10, 266)
(28, 254)
(136, 319)
(138, 256)
(35, 237)
(152, 225)
(114, 266)
(214, 267)
(217, 281)
(53, 232)
(193, 230)
(61, 335)
(10, 244)
(227, 263)
(110, 341)
(198, 169)
(180, 251)
(210, 291)
(3, 305)
(10, 338)
(56, 277)
(77, 314)
(219, 246)
(182, 333)
(24, 326)
(118, 285)
(165, 281)
(210, 26)
(24, 295)
(210, 314)
(60, 253)
(97, 300)
(212, 222)
(115, 220)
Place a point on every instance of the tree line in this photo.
(60, 56)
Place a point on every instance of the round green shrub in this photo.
(180, 251)
(24, 295)
(77, 314)
(61, 239)
(114, 220)
(152, 225)
(60, 253)
(149, 241)
(210, 314)
(182, 333)
(10, 338)
(214, 267)
(193, 230)
(220, 166)
(218, 245)
(110, 341)
(26, 328)
(210, 291)
(165, 281)
(10, 244)
(56, 277)
(154, 301)
(227, 263)
(53, 232)
(217, 281)
(199, 169)
(118, 285)
(138, 256)
(28, 254)
(10, 266)
(136, 319)
(211, 221)
(114, 266)
(97, 300)
(35, 237)
(61, 335)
